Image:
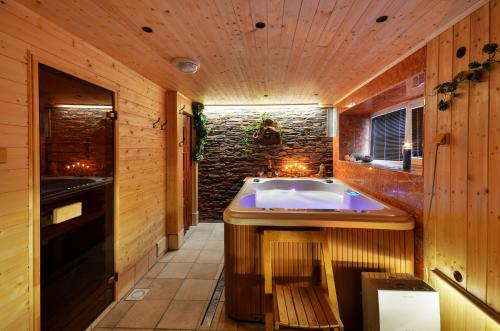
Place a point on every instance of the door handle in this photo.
(65, 213)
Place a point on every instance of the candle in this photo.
(407, 157)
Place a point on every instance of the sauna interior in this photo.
(236, 165)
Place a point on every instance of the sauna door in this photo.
(188, 171)
(77, 175)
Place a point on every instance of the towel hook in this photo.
(180, 110)
(164, 125)
(155, 124)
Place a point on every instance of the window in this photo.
(391, 128)
(417, 120)
(388, 135)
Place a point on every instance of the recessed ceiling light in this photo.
(381, 19)
(260, 25)
(147, 29)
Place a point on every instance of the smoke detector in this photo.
(187, 66)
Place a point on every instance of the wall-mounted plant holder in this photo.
(268, 134)
(265, 132)
(155, 124)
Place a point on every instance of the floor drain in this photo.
(214, 301)
(137, 295)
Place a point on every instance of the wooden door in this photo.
(187, 157)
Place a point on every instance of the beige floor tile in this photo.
(194, 244)
(217, 235)
(205, 227)
(144, 314)
(200, 236)
(144, 283)
(167, 257)
(195, 289)
(182, 315)
(175, 270)
(210, 256)
(204, 271)
(115, 315)
(187, 255)
(163, 289)
(214, 245)
(155, 270)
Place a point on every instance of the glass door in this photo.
(76, 200)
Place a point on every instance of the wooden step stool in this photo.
(310, 307)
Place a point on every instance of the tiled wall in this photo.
(401, 189)
(354, 135)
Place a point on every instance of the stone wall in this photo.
(225, 167)
(81, 136)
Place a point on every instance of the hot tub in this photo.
(311, 202)
(364, 234)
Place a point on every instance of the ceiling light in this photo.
(147, 29)
(83, 106)
(187, 66)
(257, 107)
(381, 19)
(260, 25)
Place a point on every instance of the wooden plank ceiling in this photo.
(309, 51)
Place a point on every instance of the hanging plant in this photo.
(474, 74)
(266, 131)
(202, 131)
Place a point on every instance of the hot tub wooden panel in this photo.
(352, 250)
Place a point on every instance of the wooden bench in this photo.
(304, 307)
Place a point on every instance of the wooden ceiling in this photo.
(309, 51)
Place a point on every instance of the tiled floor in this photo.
(180, 286)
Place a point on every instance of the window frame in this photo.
(408, 106)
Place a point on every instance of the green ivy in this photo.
(202, 131)
(474, 74)
(250, 129)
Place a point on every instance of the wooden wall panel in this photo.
(456, 255)
(478, 163)
(444, 246)
(493, 281)
(458, 314)
(141, 155)
(462, 228)
(430, 118)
